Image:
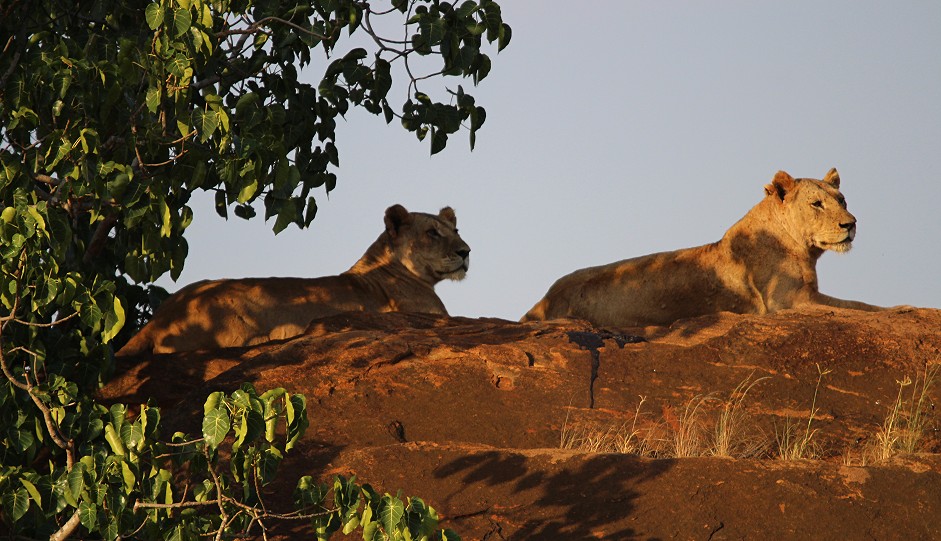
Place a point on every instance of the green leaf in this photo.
(111, 436)
(307, 492)
(40, 222)
(15, 504)
(268, 464)
(247, 192)
(90, 314)
(297, 419)
(391, 511)
(127, 475)
(221, 208)
(182, 21)
(494, 20)
(466, 9)
(166, 227)
(215, 427)
(483, 69)
(32, 490)
(22, 440)
(176, 534)
(246, 212)
(132, 434)
(154, 15)
(251, 424)
(177, 66)
(88, 515)
(112, 528)
(76, 480)
(351, 525)
(371, 531)
(504, 39)
(437, 31)
(212, 402)
(449, 535)
(311, 211)
(206, 122)
(287, 214)
(114, 321)
(439, 139)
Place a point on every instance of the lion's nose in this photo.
(850, 228)
(463, 252)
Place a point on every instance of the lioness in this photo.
(397, 273)
(764, 263)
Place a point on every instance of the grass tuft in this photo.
(907, 421)
(794, 444)
(687, 438)
(627, 438)
(729, 437)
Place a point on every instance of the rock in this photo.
(470, 414)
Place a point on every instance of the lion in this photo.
(764, 263)
(398, 272)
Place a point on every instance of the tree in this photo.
(112, 113)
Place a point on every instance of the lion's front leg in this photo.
(820, 298)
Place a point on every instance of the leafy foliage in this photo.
(111, 115)
(124, 484)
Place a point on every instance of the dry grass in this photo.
(916, 419)
(729, 437)
(687, 435)
(794, 443)
(626, 438)
(907, 420)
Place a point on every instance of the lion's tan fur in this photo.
(764, 263)
(397, 273)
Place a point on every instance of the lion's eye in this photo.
(818, 204)
(433, 233)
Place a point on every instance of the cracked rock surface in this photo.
(469, 414)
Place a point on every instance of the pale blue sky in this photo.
(616, 129)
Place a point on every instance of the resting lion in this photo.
(764, 263)
(397, 273)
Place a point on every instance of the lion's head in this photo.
(428, 246)
(814, 211)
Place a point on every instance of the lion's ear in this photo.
(781, 184)
(396, 217)
(447, 214)
(832, 178)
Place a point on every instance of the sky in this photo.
(621, 128)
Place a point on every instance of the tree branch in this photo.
(21, 37)
(97, 242)
(66, 530)
(51, 425)
(255, 26)
(179, 505)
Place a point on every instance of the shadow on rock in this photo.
(550, 494)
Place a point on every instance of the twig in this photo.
(33, 324)
(254, 27)
(179, 505)
(21, 37)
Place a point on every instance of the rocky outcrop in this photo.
(471, 414)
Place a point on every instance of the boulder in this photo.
(560, 430)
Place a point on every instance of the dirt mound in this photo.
(491, 421)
